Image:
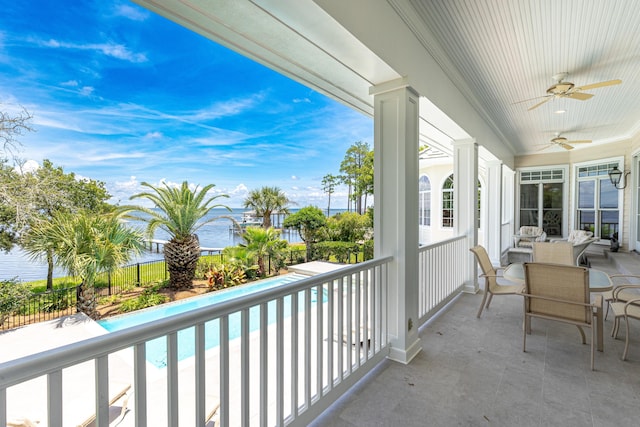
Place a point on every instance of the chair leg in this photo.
(593, 336)
(524, 332)
(626, 339)
(484, 298)
(489, 300)
(616, 326)
(584, 339)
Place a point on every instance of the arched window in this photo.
(424, 200)
(447, 202)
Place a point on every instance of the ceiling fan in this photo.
(564, 142)
(562, 89)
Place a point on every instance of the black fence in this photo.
(56, 303)
(43, 306)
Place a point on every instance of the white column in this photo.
(493, 221)
(396, 209)
(465, 202)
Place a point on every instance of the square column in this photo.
(465, 202)
(396, 209)
(493, 196)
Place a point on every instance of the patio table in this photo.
(599, 281)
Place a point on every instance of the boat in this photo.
(249, 218)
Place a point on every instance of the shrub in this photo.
(367, 249)
(341, 251)
(225, 275)
(56, 301)
(148, 298)
(12, 296)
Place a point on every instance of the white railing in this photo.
(442, 272)
(507, 237)
(284, 355)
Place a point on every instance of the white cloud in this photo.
(114, 50)
(86, 90)
(27, 167)
(295, 178)
(299, 100)
(153, 135)
(130, 12)
(70, 83)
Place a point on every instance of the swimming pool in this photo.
(156, 350)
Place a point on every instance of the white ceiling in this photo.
(501, 52)
(495, 53)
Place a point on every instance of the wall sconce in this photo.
(615, 175)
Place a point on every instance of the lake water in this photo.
(214, 235)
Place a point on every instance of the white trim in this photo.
(566, 210)
(576, 179)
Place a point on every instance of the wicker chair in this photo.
(555, 253)
(490, 274)
(561, 293)
(527, 235)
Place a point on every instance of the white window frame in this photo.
(576, 166)
(420, 199)
(566, 209)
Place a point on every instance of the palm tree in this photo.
(262, 242)
(86, 244)
(180, 212)
(266, 201)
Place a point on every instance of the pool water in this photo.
(156, 350)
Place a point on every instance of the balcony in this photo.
(328, 366)
(473, 372)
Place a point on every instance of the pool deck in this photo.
(28, 400)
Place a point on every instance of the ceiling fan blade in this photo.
(538, 104)
(530, 99)
(580, 141)
(565, 146)
(601, 84)
(579, 95)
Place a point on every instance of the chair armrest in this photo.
(557, 239)
(619, 288)
(634, 301)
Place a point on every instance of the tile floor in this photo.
(473, 372)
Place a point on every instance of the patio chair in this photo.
(527, 235)
(120, 392)
(580, 239)
(560, 293)
(555, 253)
(490, 274)
(625, 303)
(624, 291)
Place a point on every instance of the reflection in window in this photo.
(447, 202)
(598, 201)
(424, 201)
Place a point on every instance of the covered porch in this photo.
(473, 372)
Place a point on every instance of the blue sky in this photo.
(122, 95)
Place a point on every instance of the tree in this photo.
(349, 227)
(266, 201)
(47, 191)
(12, 126)
(358, 172)
(261, 242)
(180, 212)
(329, 184)
(309, 221)
(85, 244)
